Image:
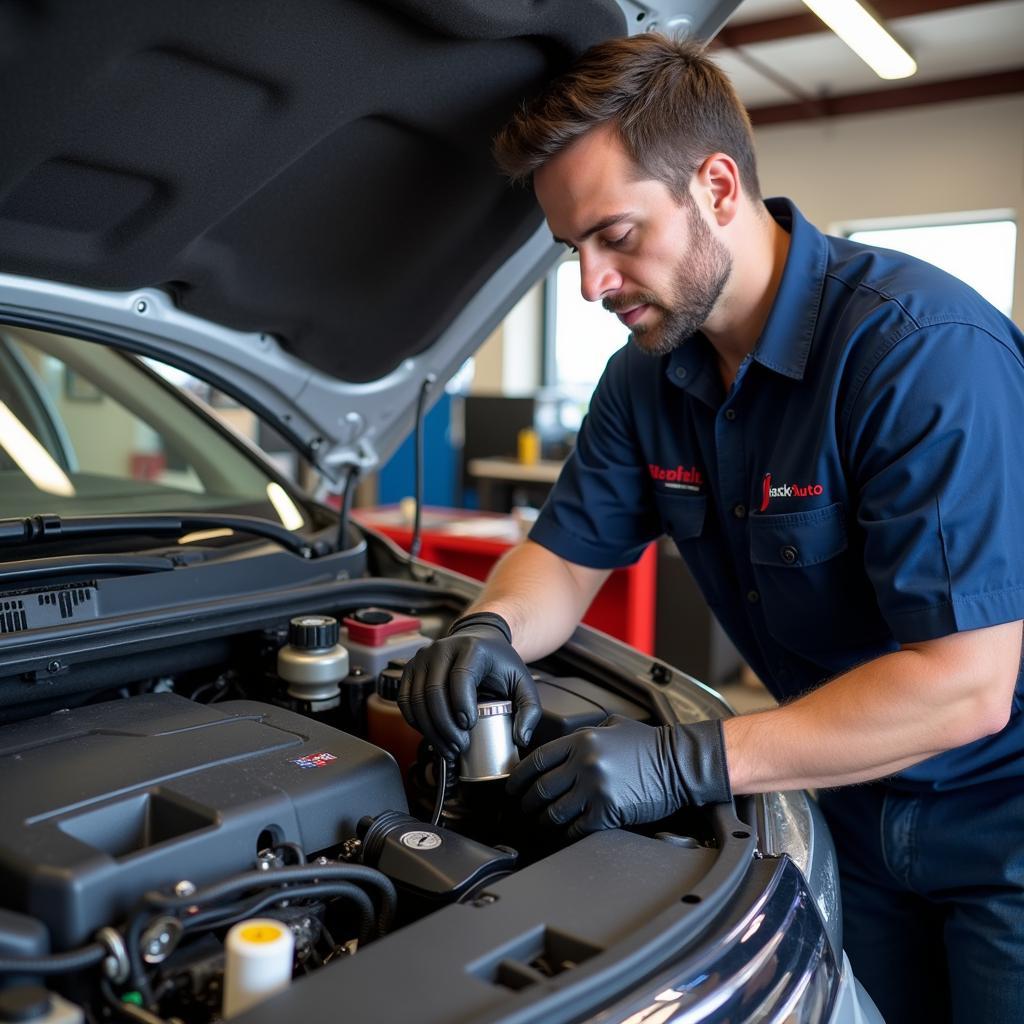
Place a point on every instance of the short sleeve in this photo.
(936, 451)
(600, 512)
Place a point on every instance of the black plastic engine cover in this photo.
(102, 803)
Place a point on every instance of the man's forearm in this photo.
(852, 729)
(880, 717)
(541, 596)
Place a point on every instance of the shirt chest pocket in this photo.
(815, 596)
(798, 540)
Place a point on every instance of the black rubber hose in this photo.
(136, 968)
(277, 878)
(56, 963)
(421, 404)
(129, 1010)
(346, 506)
(218, 917)
(442, 785)
(358, 873)
(300, 853)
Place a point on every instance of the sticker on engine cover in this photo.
(314, 760)
(420, 840)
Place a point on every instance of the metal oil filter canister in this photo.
(491, 753)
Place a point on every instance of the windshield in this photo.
(85, 430)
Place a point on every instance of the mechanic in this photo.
(830, 434)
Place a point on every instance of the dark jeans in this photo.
(933, 899)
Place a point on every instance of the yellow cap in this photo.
(260, 933)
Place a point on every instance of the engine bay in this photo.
(154, 846)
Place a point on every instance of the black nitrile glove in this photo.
(438, 695)
(623, 773)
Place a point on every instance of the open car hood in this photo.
(295, 202)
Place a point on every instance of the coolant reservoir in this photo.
(313, 663)
(258, 962)
(375, 636)
(386, 727)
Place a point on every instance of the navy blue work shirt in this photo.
(860, 485)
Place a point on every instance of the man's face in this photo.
(647, 257)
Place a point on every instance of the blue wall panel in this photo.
(440, 462)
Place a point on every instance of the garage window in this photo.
(581, 335)
(979, 252)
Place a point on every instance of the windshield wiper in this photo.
(41, 529)
(85, 565)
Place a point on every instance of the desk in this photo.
(544, 471)
(471, 542)
(503, 480)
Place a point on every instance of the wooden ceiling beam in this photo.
(996, 84)
(805, 24)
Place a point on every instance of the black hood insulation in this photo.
(317, 170)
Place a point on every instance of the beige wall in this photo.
(948, 158)
(489, 362)
(509, 361)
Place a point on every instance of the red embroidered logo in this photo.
(786, 491)
(679, 478)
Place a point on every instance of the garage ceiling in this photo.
(788, 66)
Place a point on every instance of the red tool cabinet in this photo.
(471, 542)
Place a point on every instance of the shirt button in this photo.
(789, 554)
(730, 414)
(681, 372)
(753, 596)
(740, 511)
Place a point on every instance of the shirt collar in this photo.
(691, 366)
(785, 342)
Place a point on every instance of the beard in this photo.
(699, 276)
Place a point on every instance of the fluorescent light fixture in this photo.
(31, 457)
(286, 509)
(863, 34)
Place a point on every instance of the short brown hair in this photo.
(672, 106)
